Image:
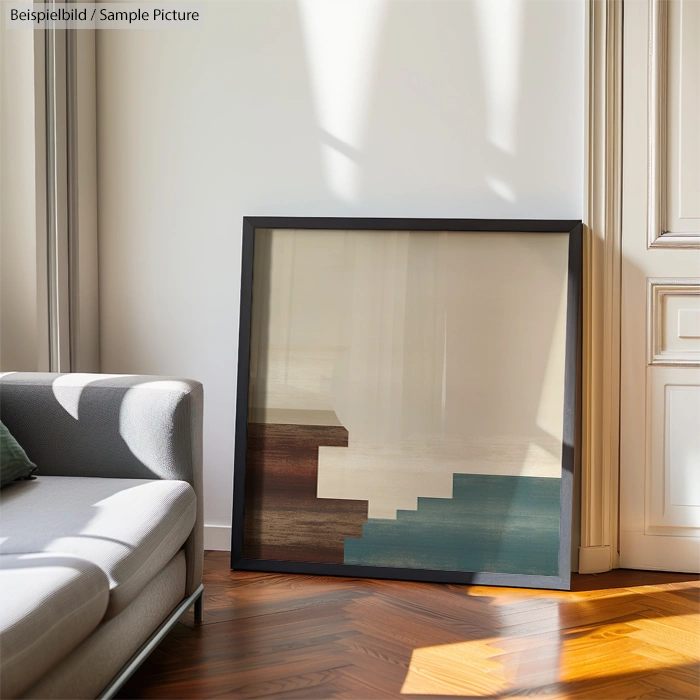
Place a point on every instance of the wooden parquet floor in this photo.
(624, 634)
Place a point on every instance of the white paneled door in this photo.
(660, 360)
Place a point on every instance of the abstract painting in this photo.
(406, 398)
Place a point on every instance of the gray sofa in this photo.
(102, 552)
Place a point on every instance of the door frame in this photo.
(65, 96)
(602, 261)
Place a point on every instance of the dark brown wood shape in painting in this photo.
(284, 519)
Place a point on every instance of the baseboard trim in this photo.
(594, 560)
(217, 537)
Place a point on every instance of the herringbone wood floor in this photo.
(624, 634)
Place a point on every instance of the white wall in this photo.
(18, 235)
(312, 107)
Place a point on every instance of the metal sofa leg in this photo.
(152, 642)
(199, 608)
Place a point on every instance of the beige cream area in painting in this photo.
(439, 352)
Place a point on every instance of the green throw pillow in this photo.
(14, 463)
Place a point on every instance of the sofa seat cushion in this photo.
(130, 528)
(50, 604)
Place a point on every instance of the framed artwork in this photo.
(407, 398)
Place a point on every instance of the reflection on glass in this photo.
(406, 401)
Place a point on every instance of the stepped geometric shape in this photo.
(391, 477)
(469, 532)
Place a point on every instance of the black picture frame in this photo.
(571, 395)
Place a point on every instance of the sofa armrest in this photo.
(118, 426)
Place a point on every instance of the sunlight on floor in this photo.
(456, 669)
(487, 667)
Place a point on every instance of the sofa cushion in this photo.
(14, 463)
(50, 604)
(130, 528)
(87, 671)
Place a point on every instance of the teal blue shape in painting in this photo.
(501, 524)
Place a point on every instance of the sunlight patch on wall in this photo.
(502, 189)
(341, 40)
(500, 37)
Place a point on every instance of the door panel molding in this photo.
(671, 482)
(659, 326)
(657, 105)
(652, 552)
(658, 235)
(602, 291)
